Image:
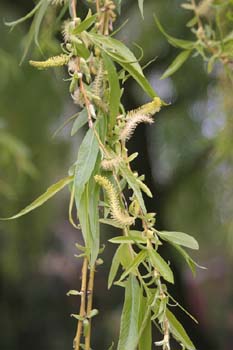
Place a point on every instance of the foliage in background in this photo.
(103, 161)
(212, 24)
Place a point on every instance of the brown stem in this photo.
(82, 311)
(73, 8)
(89, 306)
(97, 6)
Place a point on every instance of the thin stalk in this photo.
(89, 306)
(73, 8)
(97, 6)
(82, 311)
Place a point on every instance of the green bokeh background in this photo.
(186, 156)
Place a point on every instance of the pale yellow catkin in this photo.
(142, 114)
(117, 213)
(110, 164)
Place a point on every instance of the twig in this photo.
(73, 8)
(89, 306)
(82, 311)
(97, 6)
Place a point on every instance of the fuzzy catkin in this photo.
(110, 164)
(117, 214)
(55, 61)
(141, 115)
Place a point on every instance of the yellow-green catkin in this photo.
(55, 61)
(117, 213)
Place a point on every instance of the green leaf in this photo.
(145, 188)
(84, 221)
(93, 213)
(39, 18)
(192, 22)
(82, 51)
(110, 222)
(50, 192)
(115, 47)
(73, 292)
(86, 161)
(121, 239)
(160, 264)
(79, 122)
(84, 25)
(123, 257)
(27, 42)
(128, 239)
(140, 78)
(176, 64)
(111, 347)
(114, 267)
(178, 331)
(24, 18)
(77, 317)
(140, 257)
(132, 181)
(145, 331)
(122, 55)
(93, 313)
(130, 316)
(115, 91)
(140, 5)
(118, 5)
(179, 238)
(191, 263)
(66, 122)
(184, 44)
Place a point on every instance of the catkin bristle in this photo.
(117, 213)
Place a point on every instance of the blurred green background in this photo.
(186, 156)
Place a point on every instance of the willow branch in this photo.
(73, 8)
(82, 311)
(89, 306)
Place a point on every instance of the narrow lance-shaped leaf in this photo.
(27, 16)
(128, 239)
(145, 329)
(140, 4)
(179, 238)
(79, 122)
(51, 191)
(122, 55)
(140, 257)
(178, 331)
(191, 263)
(123, 257)
(85, 24)
(127, 174)
(86, 161)
(114, 266)
(160, 264)
(115, 91)
(176, 64)
(84, 219)
(184, 44)
(39, 18)
(130, 316)
(93, 212)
